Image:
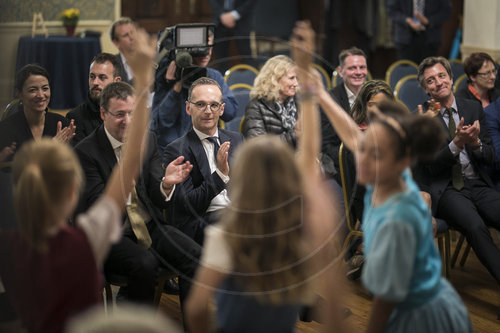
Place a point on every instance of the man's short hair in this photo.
(203, 81)
(430, 62)
(353, 51)
(120, 21)
(475, 61)
(120, 90)
(104, 57)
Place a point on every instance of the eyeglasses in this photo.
(489, 73)
(120, 114)
(214, 107)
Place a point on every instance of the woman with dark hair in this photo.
(481, 74)
(32, 120)
(371, 94)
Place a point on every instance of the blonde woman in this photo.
(273, 107)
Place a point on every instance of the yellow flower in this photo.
(70, 16)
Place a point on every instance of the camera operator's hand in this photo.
(170, 76)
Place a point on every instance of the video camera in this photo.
(182, 43)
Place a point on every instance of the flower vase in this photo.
(70, 30)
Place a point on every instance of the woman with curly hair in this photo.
(273, 107)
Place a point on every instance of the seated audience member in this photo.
(369, 97)
(32, 120)
(51, 270)
(481, 74)
(461, 190)
(144, 225)
(273, 106)
(170, 120)
(104, 69)
(253, 259)
(493, 124)
(201, 198)
(353, 70)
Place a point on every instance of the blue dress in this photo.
(403, 265)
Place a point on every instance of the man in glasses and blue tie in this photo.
(201, 198)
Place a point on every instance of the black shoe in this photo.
(355, 267)
(122, 295)
(171, 286)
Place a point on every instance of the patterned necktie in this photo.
(215, 142)
(137, 222)
(456, 170)
(419, 6)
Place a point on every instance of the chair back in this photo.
(324, 76)
(398, 70)
(457, 68)
(241, 92)
(241, 73)
(409, 92)
(10, 109)
(460, 83)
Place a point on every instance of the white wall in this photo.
(481, 27)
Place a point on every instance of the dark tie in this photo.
(456, 170)
(215, 142)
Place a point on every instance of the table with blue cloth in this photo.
(67, 59)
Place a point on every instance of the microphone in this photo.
(183, 59)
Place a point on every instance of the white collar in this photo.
(114, 143)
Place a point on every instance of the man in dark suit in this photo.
(145, 231)
(233, 19)
(462, 193)
(104, 69)
(122, 34)
(417, 26)
(353, 70)
(199, 200)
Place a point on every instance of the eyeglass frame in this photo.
(119, 116)
(204, 107)
(488, 73)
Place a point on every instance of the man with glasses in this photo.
(461, 190)
(201, 198)
(144, 228)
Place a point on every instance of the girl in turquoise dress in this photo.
(402, 268)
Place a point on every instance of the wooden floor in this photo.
(478, 289)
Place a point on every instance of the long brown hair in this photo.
(43, 173)
(264, 226)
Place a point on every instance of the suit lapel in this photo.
(107, 150)
(198, 153)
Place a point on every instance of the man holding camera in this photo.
(169, 118)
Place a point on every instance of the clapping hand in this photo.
(222, 158)
(65, 134)
(176, 172)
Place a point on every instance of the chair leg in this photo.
(457, 250)
(440, 244)
(159, 288)
(447, 247)
(465, 255)
(109, 297)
